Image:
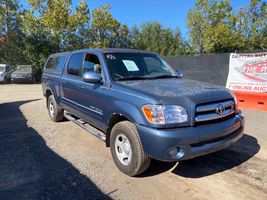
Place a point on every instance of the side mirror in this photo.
(179, 73)
(91, 77)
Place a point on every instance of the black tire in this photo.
(33, 80)
(139, 160)
(56, 114)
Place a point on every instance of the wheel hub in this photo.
(123, 149)
(51, 109)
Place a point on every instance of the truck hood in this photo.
(177, 91)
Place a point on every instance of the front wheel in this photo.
(127, 150)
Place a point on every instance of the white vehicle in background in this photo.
(5, 73)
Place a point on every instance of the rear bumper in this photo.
(191, 141)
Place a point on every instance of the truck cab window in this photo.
(51, 63)
(92, 64)
(75, 64)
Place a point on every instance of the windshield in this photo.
(123, 66)
(24, 68)
(2, 68)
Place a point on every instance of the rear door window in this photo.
(60, 62)
(75, 64)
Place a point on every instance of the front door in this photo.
(87, 99)
(93, 94)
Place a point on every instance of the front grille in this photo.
(212, 112)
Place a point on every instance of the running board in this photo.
(90, 129)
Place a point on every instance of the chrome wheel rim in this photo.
(123, 149)
(51, 109)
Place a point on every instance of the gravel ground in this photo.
(40, 159)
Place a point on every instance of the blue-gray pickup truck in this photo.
(140, 106)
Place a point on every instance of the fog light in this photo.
(173, 151)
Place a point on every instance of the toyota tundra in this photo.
(140, 106)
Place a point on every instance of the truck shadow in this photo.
(210, 164)
(29, 169)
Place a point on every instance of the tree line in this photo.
(28, 36)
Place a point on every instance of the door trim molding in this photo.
(98, 112)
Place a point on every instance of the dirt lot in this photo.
(40, 159)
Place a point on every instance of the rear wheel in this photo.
(127, 150)
(56, 114)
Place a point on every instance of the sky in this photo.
(171, 13)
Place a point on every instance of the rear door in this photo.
(70, 83)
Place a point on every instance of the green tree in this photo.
(214, 27)
(55, 19)
(211, 26)
(8, 16)
(154, 37)
(106, 31)
(51, 26)
(252, 25)
(10, 34)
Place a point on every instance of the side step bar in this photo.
(90, 129)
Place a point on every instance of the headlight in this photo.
(174, 114)
(236, 103)
(167, 114)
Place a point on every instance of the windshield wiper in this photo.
(164, 76)
(132, 78)
(142, 77)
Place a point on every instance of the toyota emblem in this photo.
(220, 109)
